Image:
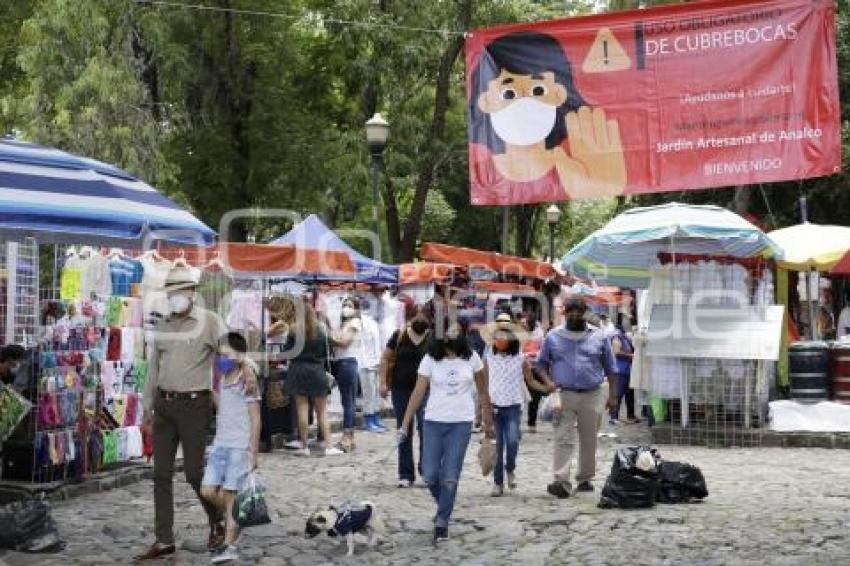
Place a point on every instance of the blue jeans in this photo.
(442, 462)
(347, 377)
(624, 392)
(401, 399)
(507, 440)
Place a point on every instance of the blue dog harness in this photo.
(350, 520)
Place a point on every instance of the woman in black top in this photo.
(399, 370)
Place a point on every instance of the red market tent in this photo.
(265, 260)
(502, 264)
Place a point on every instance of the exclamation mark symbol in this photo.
(605, 51)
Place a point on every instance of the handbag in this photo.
(276, 397)
(329, 376)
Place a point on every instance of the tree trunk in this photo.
(436, 133)
(526, 229)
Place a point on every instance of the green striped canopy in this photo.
(622, 252)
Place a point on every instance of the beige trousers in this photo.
(585, 409)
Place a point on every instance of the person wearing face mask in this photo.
(399, 365)
(507, 369)
(533, 136)
(10, 360)
(237, 437)
(624, 350)
(448, 375)
(347, 343)
(577, 361)
(178, 404)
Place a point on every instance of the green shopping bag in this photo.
(659, 409)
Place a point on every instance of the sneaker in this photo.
(441, 534)
(559, 489)
(477, 429)
(404, 483)
(302, 452)
(381, 426)
(225, 554)
(498, 491)
(333, 451)
(293, 445)
(585, 486)
(532, 429)
(511, 480)
(613, 422)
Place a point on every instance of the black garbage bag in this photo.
(28, 527)
(634, 479)
(681, 483)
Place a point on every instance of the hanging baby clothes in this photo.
(246, 310)
(70, 279)
(155, 274)
(125, 273)
(96, 279)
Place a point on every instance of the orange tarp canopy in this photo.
(265, 259)
(498, 287)
(425, 272)
(504, 264)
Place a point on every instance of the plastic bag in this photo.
(628, 486)
(13, 408)
(28, 527)
(659, 409)
(250, 509)
(487, 457)
(546, 411)
(681, 483)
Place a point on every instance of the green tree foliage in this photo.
(229, 111)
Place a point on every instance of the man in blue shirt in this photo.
(577, 361)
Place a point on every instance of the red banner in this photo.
(680, 97)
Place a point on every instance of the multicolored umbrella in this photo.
(807, 246)
(622, 252)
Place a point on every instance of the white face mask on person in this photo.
(179, 303)
(348, 312)
(524, 122)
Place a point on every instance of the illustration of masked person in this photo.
(534, 138)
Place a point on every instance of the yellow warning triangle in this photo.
(606, 54)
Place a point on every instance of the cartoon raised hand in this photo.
(596, 166)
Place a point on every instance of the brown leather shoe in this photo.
(157, 550)
(216, 539)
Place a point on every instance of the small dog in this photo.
(357, 523)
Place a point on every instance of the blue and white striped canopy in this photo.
(622, 252)
(57, 197)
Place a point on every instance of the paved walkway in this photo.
(766, 506)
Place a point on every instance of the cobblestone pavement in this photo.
(766, 506)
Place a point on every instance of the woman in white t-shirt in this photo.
(507, 368)
(449, 374)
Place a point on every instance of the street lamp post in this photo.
(553, 216)
(377, 132)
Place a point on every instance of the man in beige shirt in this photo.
(178, 403)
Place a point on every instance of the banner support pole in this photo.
(506, 227)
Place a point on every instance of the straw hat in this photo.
(503, 323)
(180, 277)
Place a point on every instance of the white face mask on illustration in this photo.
(525, 122)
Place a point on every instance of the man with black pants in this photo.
(578, 360)
(178, 404)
